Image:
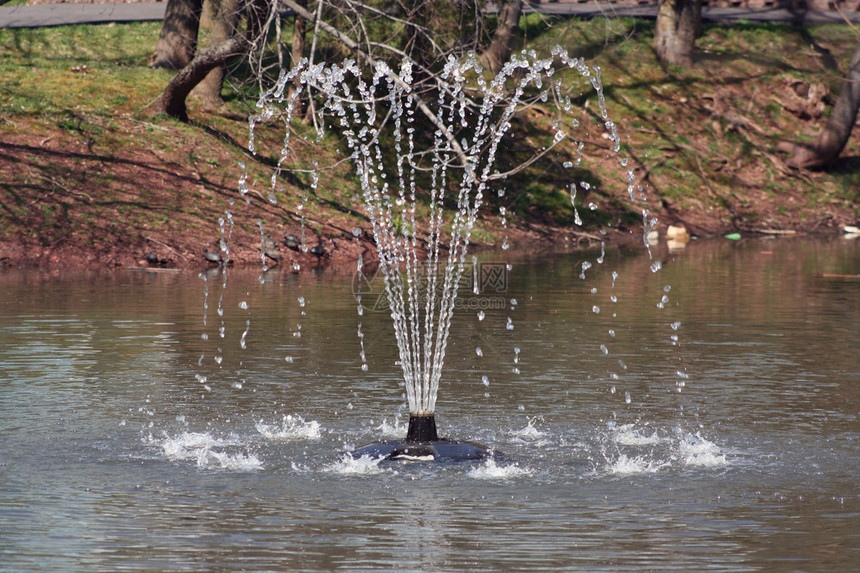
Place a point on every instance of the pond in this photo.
(705, 417)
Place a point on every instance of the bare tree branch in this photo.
(370, 60)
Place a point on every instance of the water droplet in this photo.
(611, 333)
(604, 349)
(595, 309)
(656, 266)
(478, 351)
(364, 367)
(288, 359)
(592, 206)
(485, 380)
(301, 300)
(297, 267)
(243, 305)
(627, 397)
(675, 325)
(481, 315)
(219, 359)
(204, 336)
(510, 324)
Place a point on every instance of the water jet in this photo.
(422, 187)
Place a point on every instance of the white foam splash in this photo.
(529, 432)
(652, 453)
(697, 451)
(348, 465)
(395, 430)
(629, 435)
(635, 465)
(210, 459)
(200, 447)
(491, 470)
(185, 445)
(291, 428)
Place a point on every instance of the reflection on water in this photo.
(704, 417)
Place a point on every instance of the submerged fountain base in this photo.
(422, 444)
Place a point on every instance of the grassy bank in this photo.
(88, 176)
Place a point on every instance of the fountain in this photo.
(422, 235)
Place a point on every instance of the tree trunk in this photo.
(836, 132)
(679, 22)
(297, 52)
(172, 99)
(499, 50)
(223, 16)
(178, 39)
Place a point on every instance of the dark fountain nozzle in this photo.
(422, 443)
(422, 428)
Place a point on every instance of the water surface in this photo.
(714, 429)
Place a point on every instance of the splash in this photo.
(490, 470)
(207, 451)
(364, 465)
(391, 430)
(697, 451)
(290, 428)
(645, 451)
(629, 435)
(528, 434)
(644, 464)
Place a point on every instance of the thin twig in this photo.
(522, 166)
(168, 247)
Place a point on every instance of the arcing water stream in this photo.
(422, 235)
